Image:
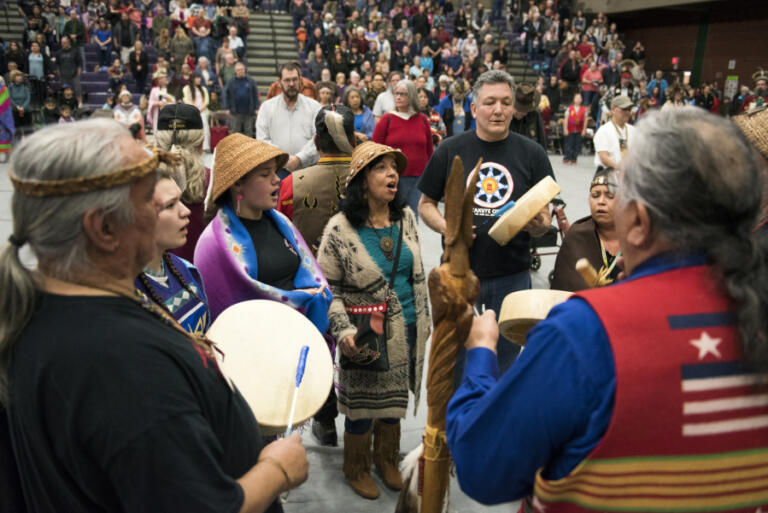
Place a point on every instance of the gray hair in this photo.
(52, 226)
(494, 76)
(349, 90)
(698, 178)
(413, 93)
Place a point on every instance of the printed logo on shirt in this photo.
(494, 188)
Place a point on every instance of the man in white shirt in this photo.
(613, 138)
(288, 120)
(385, 102)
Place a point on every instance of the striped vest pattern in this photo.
(689, 430)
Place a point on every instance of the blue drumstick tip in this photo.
(302, 365)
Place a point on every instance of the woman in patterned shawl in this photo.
(249, 250)
(6, 122)
(358, 253)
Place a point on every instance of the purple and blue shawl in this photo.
(6, 120)
(226, 259)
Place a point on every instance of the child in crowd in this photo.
(68, 97)
(115, 73)
(66, 114)
(214, 103)
(50, 111)
(575, 127)
(301, 34)
(110, 102)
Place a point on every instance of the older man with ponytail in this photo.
(649, 394)
(111, 405)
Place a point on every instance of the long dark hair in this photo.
(193, 86)
(354, 204)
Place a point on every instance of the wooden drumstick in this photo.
(587, 272)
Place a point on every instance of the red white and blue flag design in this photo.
(719, 396)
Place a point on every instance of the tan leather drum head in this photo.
(261, 341)
(521, 310)
(525, 209)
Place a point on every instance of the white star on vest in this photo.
(707, 345)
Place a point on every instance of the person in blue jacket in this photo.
(364, 120)
(657, 81)
(538, 429)
(455, 108)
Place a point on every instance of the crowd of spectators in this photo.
(194, 49)
(443, 46)
(573, 52)
(351, 52)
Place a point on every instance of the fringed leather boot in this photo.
(386, 453)
(357, 465)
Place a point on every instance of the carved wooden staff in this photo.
(453, 289)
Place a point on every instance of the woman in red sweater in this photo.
(406, 129)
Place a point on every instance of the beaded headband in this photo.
(602, 180)
(109, 180)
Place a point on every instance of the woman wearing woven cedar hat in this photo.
(754, 126)
(382, 358)
(249, 250)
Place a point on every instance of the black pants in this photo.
(329, 411)
(38, 89)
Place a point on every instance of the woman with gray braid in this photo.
(653, 387)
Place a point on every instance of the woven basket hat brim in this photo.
(236, 156)
(754, 126)
(369, 151)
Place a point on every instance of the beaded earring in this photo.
(237, 208)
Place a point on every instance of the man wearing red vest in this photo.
(650, 394)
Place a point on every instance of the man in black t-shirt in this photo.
(111, 406)
(512, 164)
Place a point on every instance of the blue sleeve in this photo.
(548, 410)
(25, 103)
(443, 104)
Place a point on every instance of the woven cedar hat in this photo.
(369, 151)
(237, 155)
(754, 126)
